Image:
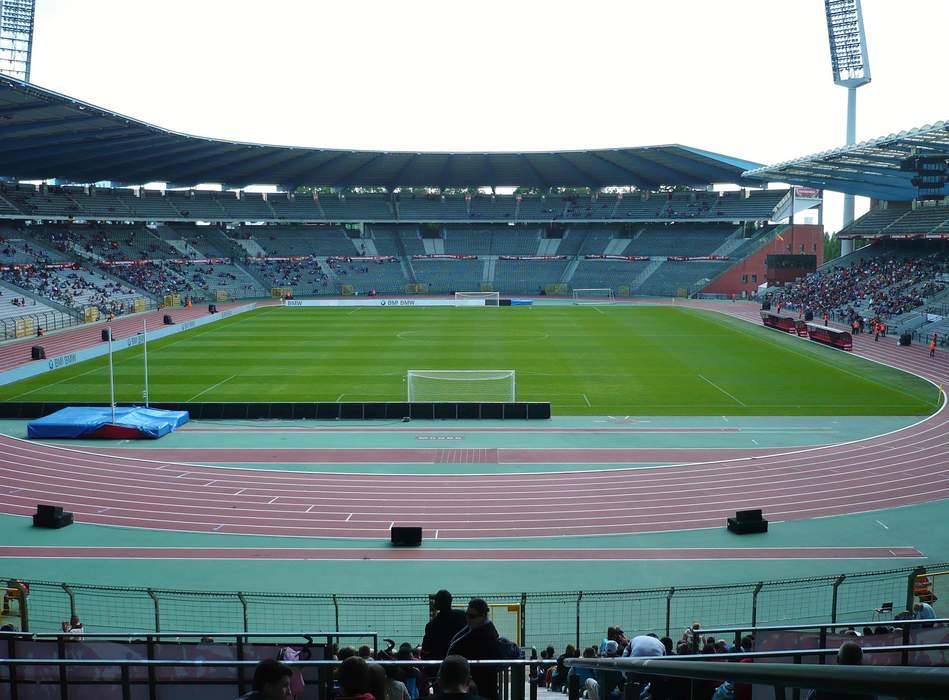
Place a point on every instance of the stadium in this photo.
(263, 401)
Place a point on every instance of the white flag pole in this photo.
(145, 346)
(111, 378)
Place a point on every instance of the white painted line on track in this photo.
(882, 524)
(587, 400)
(340, 398)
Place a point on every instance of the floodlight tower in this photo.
(848, 59)
(16, 37)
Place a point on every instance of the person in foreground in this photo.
(849, 654)
(479, 640)
(454, 680)
(271, 682)
(355, 680)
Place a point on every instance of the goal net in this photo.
(490, 298)
(472, 385)
(593, 296)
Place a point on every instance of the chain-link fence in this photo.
(532, 619)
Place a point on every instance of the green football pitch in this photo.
(588, 360)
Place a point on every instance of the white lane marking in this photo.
(733, 398)
(213, 386)
(587, 400)
(599, 310)
(347, 517)
(882, 524)
(754, 441)
(340, 398)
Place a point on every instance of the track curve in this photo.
(900, 468)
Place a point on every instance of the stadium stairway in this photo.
(640, 279)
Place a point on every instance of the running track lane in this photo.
(906, 467)
(478, 554)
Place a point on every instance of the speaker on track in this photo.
(38, 352)
(906, 339)
(167, 320)
(52, 517)
(105, 334)
(402, 536)
(212, 308)
(747, 522)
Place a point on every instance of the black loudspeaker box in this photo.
(167, 320)
(406, 536)
(747, 522)
(808, 315)
(906, 340)
(38, 352)
(51, 517)
(212, 308)
(105, 334)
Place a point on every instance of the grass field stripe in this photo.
(788, 346)
(733, 398)
(213, 386)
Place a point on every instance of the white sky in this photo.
(747, 78)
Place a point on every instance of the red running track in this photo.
(901, 468)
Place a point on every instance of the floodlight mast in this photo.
(16, 38)
(851, 67)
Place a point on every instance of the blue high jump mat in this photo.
(95, 422)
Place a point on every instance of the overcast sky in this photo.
(748, 78)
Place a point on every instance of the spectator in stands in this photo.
(923, 611)
(558, 679)
(73, 627)
(454, 680)
(442, 628)
(271, 681)
(586, 677)
(365, 651)
(849, 654)
(378, 682)
(479, 640)
(932, 345)
(354, 679)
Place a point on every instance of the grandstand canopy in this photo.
(45, 135)
(869, 169)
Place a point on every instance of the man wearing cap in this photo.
(444, 625)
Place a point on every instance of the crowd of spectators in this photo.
(74, 290)
(889, 287)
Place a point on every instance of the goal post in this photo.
(490, 298)
(461, 385)
(603, 295)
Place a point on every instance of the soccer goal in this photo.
(473, 385)
(593, 296)
(490, 298)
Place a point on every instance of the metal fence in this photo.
(535, 619)
(25, 325)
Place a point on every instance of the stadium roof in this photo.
(870, 169)
(45, 135)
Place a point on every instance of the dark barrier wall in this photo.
(323, 411)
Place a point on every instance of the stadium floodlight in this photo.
(851, 67)
(490, 298)
(16, 38)
(463, 385)
(603, 295)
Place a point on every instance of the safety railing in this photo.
(26, 325)
(137, 678)
(828, 634)
(898, 681)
